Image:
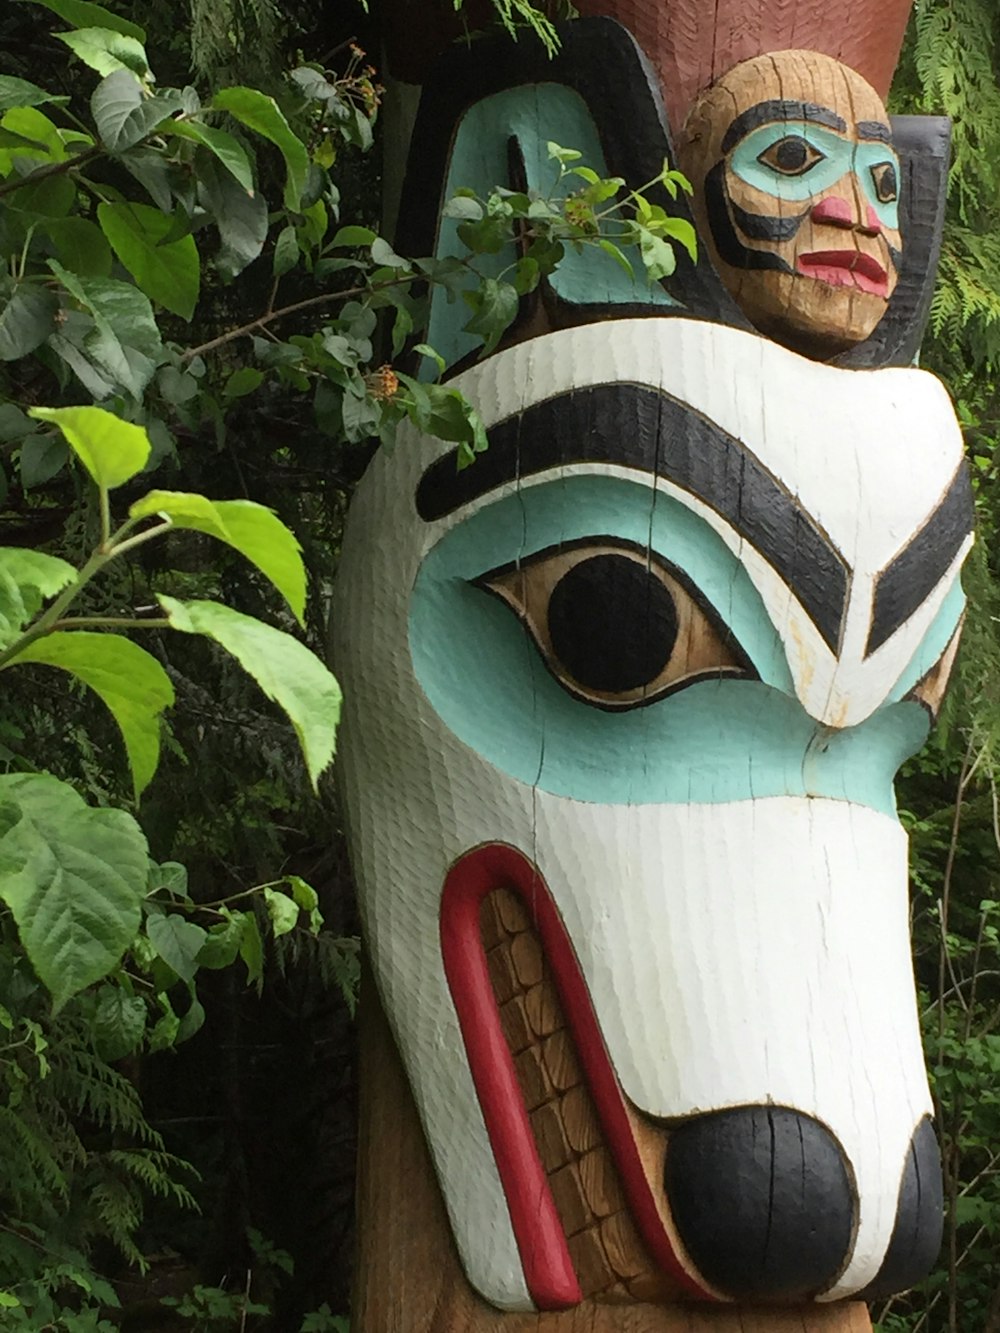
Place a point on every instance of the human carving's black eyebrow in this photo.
(645, 429)
(874, 129)
(778, 109)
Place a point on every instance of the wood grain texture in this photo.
(409, 1279)
(805, 254)
(689, 43)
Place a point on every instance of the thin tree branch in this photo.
(53, 169)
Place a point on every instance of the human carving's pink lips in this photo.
(846, 268)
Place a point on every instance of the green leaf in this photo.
(111, 450)
(262, 115)
(425, 349)
(73, 879)
(229, 151)
(252, 951)
(122, 345)
(353, 236)
(284, 913)
(611, 249)
(253, 530)
(124, 114)
(383, 254)
(169, 272)
(42, 457)
(222, 943)
(304, 894)
(119, 1022)
(178, 942)
(495, 305)
(166, 1028)
(683, 232)
(285, 670)
(657, 255)
(464, 209)
(286, 251)
(19, 92)
(240, 218)
(129, 680)
(562, 155)
(26, 579)
(26, 321)
(85, 14)
(105, 50)
(243, 381)
(32, 124)
(81, 246)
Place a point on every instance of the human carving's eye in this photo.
(886, 182)
(616, 626)
(791, 156)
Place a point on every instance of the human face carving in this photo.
(797, 195)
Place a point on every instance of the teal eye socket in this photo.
(886, 182)
(791, 156)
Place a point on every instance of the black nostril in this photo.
(916, 1237)
(762, 1200)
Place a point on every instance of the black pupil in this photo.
(885, 183)
(791, 154)
(612, 624)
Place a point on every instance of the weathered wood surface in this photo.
(409, 1277)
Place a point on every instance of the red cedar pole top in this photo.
(690, 43)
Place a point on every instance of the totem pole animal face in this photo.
(797, 191)
(624, 703)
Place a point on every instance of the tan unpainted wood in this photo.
(409, 1279)
(802, 311)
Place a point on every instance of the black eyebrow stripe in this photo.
(916, 571)
(643, 428)
(874, 129)
(777, 109)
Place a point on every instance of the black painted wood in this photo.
(645, 429)
(916, 1237)
(762, 1200)
(903, 585)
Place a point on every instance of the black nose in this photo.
(761, 1199)
(916, 1237)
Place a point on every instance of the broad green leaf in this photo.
(26, 320)
(562, 155)
(496, 306)
(252, 951)
(73, 879)
(19, 92)
(131, 682)
(353, 236)
(178, 942)
(253, 530)
(48, 574)
(229, 151)
(32, 124)
(111, 450)
(85, 14)
(13, 423)
(286, 251)
(166, 1028)
(119, 1022)
(304, 894)
(120, 311)
(27, 578)
(8, 139)
(105, 50)
(465, 210)
(657, 255)
(683, 232)
(261, 114)
(124, 114)
(617, 255)
(285, 670)
(42, 457)
(167, 271)
(222, 943)
(243, 381)
(81, 246)
(241, 218)
(284, 913)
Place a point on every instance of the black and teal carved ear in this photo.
(601, 63)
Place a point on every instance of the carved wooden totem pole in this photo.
(626, 698)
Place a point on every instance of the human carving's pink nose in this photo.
(839, 213)
(834, 210)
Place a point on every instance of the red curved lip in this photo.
(846, 268)
(548, 1268)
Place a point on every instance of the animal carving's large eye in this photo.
(616, 626)
(886, 182)
(791, 156)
